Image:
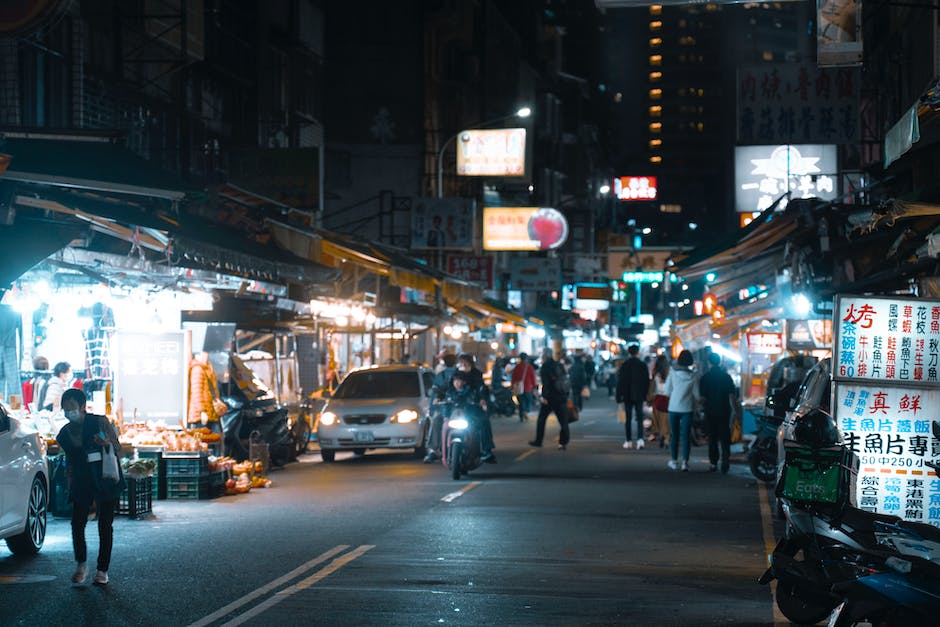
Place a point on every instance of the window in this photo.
(656, 60)
(371, 384)
(656, 127)
(656, 111)
(656, 26)
(655, 76)
(656, 42)
(655, 142)
(656, 9)
(656, 94)
(656, 159)
(768, 55)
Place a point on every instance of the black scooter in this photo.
(264, 417)
(504, 401)
(461, 440)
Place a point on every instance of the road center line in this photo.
(270, 602)
(528, 453)
(770, 543)
(280, 581)
(453, 496)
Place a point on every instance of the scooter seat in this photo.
(870, 522)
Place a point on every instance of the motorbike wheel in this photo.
(763, 468)
(327, 455)
(797, 609)
(300, 436)
(456, 452)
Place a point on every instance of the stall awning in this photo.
(27, 242)
(88, 162)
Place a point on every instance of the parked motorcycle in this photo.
(839, 561)
(461, 440)
(762, 453)
(263, 416)
(504, 401)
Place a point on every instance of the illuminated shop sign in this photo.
(499, 152)
(523, 228)
(762, 174)
(635, 187)
(642, 276)
(765, 343)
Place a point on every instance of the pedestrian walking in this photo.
(86, 439)
(553, 398)
(633, 384)
(659, 401)
(523, 385)
(578, 381)
(682, 390)
(718, 391)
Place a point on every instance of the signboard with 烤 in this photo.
(150, 374)
(890, 339)
(498, 152)
(888, 428)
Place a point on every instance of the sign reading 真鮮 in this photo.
(886, 394)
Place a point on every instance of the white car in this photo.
(24, 486)
(383, 407)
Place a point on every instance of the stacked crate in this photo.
(187, 476)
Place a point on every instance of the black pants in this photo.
(560, 408)
(719, 434)
(105, 517)
(634, 411)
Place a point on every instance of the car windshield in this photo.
(379, 384)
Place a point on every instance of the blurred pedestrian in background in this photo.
(578, 381)
(718, 391)
(633, 384)
(523, 385)
(682, 390)
(659, 401)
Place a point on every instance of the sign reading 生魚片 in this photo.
(886, 394)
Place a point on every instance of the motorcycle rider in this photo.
(439, 389)
(466, 363)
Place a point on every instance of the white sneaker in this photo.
(685, 466)
(101, 578)
(672, 464)
(640, 444)
(81, 571)
(628, 444)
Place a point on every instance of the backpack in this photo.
(561, 383)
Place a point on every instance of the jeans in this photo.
(525, 403)
(560, 408)
(680, 424)
(719, 434)
(631, 408)
(105, 517)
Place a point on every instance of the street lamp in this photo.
(524, 112)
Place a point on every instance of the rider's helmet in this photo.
(816, 429)
(467, 357)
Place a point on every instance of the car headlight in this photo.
(458, 423)
(327, 418)
(405, 416)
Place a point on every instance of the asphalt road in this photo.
(594, 535)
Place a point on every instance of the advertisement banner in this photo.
(891, 339)
(498, 152)
(765, 343)
(635, 187)
(889, 429)
(475, 268)
(839, 32)
(150, 374)
(442, 224)
(648, 259)
(794, 103)
(534, 274)
(809, 334)
(764, 173)
(523, 228)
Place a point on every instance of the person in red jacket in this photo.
(523, 378)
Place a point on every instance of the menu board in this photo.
(888, 339)
(886, 394)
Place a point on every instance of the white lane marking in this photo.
(453, 496)
(270, 602)
(528, 453)
(770, 543)
(280, 581)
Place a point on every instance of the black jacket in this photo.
(633, 381)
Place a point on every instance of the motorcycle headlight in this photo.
(405, 416)
(458, 423)
(327, 418)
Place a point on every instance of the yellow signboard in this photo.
(523, 228)
(499, 152)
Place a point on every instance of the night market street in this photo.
(594, 535)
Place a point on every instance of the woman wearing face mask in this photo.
(82, 440)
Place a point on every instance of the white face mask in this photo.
(73, 415)
(463, 366)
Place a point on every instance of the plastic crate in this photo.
(194, 488)
(136, 501)
(185, 466)
(159, 477)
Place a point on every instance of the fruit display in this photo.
(220, 463)
(139, 435)
(204, 434)
(260, 481)
(139, 467)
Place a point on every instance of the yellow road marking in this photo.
(333, 566)
(453, 496)
(770, 543)
(528, 453)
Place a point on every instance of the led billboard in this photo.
(635, 187)
(764, 173)
(498, 152)
(523, 228)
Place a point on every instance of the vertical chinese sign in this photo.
(150, 374)
(886, 394)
